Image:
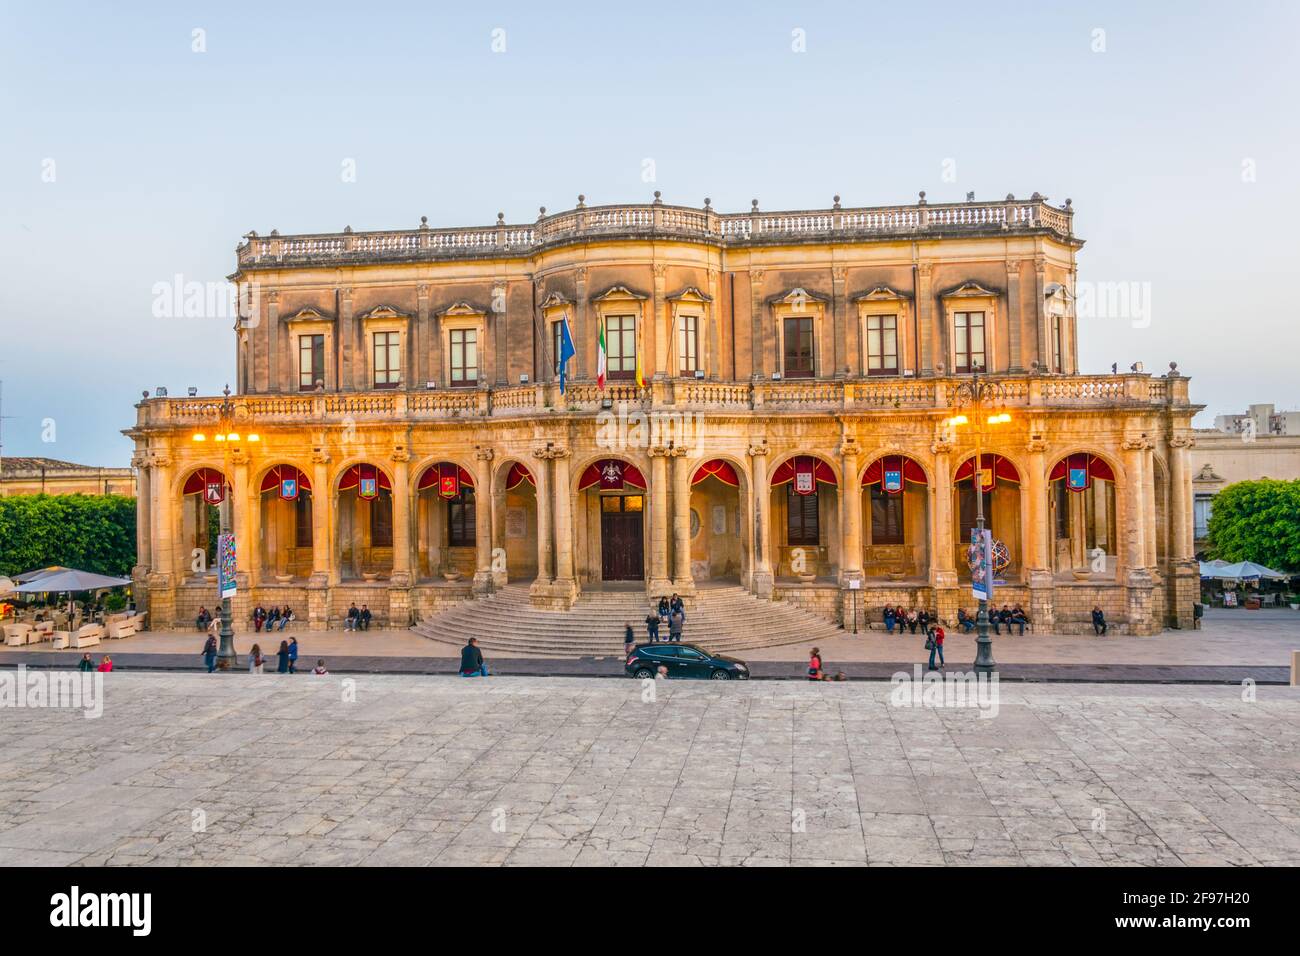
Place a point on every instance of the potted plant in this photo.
(1294, 601)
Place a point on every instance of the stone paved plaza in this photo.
(571, 771)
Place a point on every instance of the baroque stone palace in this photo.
(399, 438)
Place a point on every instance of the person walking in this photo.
(293, 655)
(652, 628)
(471, 660)
(85, 664)
(1098, 621)
(675, 624)
(815, 664)
(629, 639)
(935, 643)
(282, 667)
(210, 653)
(255, 659)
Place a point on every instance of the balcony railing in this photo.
(767, 398)
(658, 219)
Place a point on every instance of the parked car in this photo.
(684, 660)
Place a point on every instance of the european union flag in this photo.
(567, 351)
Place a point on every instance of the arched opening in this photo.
(205, 492)
(895, 519)
(1081, 516)
(365, 523)
(285, 499)
(805, 523)
(446, 522)
(514, 524)
(1000, 483)
(718, 548)
(609, 522)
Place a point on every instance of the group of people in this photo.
(358, 620)
(274, 619)
(908, 620)
(86, 664)
(286, 658)
(670, 612)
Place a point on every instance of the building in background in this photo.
(1259, 444)
(765, 399)
(49, 476)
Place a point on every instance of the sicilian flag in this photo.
(567, 351)
(600, 358)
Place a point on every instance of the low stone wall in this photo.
(818, 599)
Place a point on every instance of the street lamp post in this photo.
(975, 393)
(225, 434)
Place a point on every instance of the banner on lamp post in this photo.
(226, 564)
(980, 559)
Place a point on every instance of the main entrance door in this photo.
(621, 556)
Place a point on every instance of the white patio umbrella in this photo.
(69, 580)
(1249, 570)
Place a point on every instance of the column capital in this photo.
(757, 450)
(319, 456)
(1182, 441)
(1138, 443)
(550, 452)
(1036, 444)
(161, 461)
(482, 453)
(941, 446)
(400, 456)
(849, 448)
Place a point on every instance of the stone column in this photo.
(1042, 610)
(542, 473)
(1042, 321)
(143, 542)
(844, 339)
(500, 572)
(664, 365)
(275, 372)
(1150, 511)
(483, 519)
(763, 581)
(399, 583)
(757, 321)
(1015, 359)
(1186, 584)
(323, 571)
(943, 574)
(851, 594)
(349, 352)
(162, 580)
(584, 345)
(683, 581)
(924, 349)
(424, 341)
(566, 585)
(659, 583)
(241, 522)
(1138, 576)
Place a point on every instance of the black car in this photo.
(684, 660)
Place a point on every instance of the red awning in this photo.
(1096, 467)
(785, 472)
(719, 469)
(518, 474)
(198, 481)
(912, 470)
(1002, 469)
(271, 480)
(357, 472)
(429, 478)
(631, 475)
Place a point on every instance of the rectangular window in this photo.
(689, 335)
(967, 510)
(302, 517)
(311, 362)
(620, 346)
(464, 357)
(388, 359)
(801, 518)
(882, 345)
(381, 521)
(1061, 507)
(557, 343)
(886, 517)
(460, 519)
(968, 341)
(798, 348)
(1056, 344)
(1202, 507)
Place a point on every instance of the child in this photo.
(815, 664)
(319, 669)
(255, 660)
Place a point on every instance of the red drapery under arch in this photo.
(429, 477)
(719, 469)
(911, 469)
(785, 471)
(518, 474)
(197, 482)
(352, 476)
(632, 476)
(1094, 468)
(271, 480)
(1002, 469)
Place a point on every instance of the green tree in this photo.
(1257, 521)
(88, 532)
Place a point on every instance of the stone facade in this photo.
(789, 404)
(49, 476)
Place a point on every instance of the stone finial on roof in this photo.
(582, 201)
(708, 203)
(424, 222)
(921, 201)
(347, 230)
(658, 198)
(754, 205)
(541, 212)
(501, 219)
(837, 201)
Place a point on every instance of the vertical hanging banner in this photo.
(893, 476)
(448, 479)
(367, 487)
(980, 559)
(1077, 473)
(611, 475)
(289, 488)
(805, 480)
(214, 489)
(226, 564)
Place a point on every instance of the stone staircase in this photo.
(724, 619)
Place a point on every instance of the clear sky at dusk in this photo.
(127, 158)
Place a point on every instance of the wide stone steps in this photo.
(723, 620)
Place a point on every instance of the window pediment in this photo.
(881, 293)
(619, 293)
(309, 314)
(969, 290)
(555, 300)
(690, 294)
(384, 312)
(796, 297)
(459, 309)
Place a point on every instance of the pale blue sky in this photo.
(164, 157)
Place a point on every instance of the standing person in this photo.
(293, 655)
(255, 659)
(652, 627)
(629, 639)
(675, 623)
(105, 664)
(1098, 621)
(210, 653)
(935, 643)
(364, 617)
(1198, 612)
(815, 664)
(676, 604)
(85, 664)
(282, 667)
(471, 660)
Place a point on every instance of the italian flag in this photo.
(600, 359)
